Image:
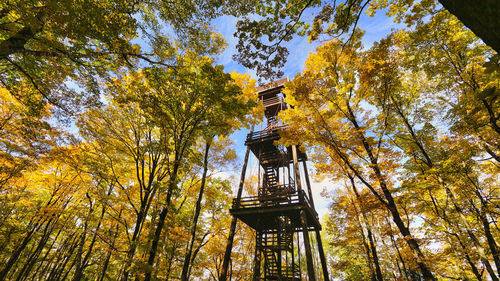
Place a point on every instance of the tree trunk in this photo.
(161, 219)
(59, 270)
(480, 16)
(483, 217)
(429, 163)
(141, 216)
(189, 246)
(471, 263)
(58, 256)
(232, 230)
(471, 234)
(34, 256)
(108, 256)
(371, 249)
(369, 261)
(84, 262)
(391, 204)
(149, 193)
(196, 251)
(17, 252)
(395, 245)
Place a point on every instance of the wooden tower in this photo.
(283, 209)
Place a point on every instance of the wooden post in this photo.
(230, 238)
(293, 255)
(322, 257)
(305, 233)
(257, 260)
(306, 174)
(278, 252)
(324, 267)
(296, 168)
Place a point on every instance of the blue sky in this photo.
(375, 28)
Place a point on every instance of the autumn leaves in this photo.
(391, 123)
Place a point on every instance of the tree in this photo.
(451, 65)
(129, 151)
(261, 39)
(54, 54)
(46, 44)
(24, 139)
(54, 188)
(401, 107)
(327, 112)
(403, 95)
(221, 157)
(185, 103)
(350, 234)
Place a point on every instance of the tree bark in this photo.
(232, 229)
(395, 245)
(34, 256)
(481, 16)
(108, 256)
(84, 262)
(371, 250)
(189, 246)
(141, 217)
(162, 217)
(17, 252)
(390, 203)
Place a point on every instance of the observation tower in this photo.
(282, 214)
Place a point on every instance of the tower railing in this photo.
(269, 131)
(270, 101)
(296, 198)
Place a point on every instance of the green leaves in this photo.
(49, 45)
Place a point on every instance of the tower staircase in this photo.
(276, 247)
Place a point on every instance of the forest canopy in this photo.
(118, 158)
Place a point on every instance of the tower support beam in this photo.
(257, 260)
(305, 232)
(322, 257)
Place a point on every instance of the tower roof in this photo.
(272, 86)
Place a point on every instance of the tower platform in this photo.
(261, 212)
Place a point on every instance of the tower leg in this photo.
(307, 247)
(322, 257)
(257, 260)
(305, 232)
(324, 267)
(230, 238)
(308, 183)
(279, 252)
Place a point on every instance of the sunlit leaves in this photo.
(409, 118)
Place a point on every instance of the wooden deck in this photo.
(261, 213)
